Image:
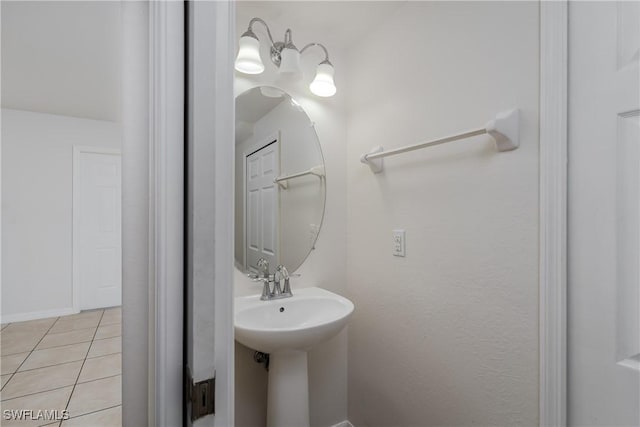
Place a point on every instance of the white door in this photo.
(97, 228)
(604, 215)
(261, 235)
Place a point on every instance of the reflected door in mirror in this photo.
(262, 168)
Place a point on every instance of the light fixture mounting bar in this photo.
(250, 29)
(277, 46)
(326, 52)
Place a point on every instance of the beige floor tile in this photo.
(109, 331)
(113, 310)
(66, 338)
(42, 379)
(111, 417)
(101, 367)
(110, 318)
(105, 346)
(40, 325)
(66, 325)
(95, 396)
(4, 378)
(93, 314)
(11, 363)
(13, 342)
(55, 400)
(55, 356)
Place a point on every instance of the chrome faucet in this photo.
(266, 278)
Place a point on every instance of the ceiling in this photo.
(340, 23)
(62, 58)
(251, 106)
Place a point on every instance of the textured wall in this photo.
(447, 335)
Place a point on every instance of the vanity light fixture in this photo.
(286, 56)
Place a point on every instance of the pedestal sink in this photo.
(287, 329)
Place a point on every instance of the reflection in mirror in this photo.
(279, 183)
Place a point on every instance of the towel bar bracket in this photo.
(376, 165)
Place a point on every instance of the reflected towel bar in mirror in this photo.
(504, 130)
(316, 170)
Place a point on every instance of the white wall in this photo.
(326, 265)
(37, 208)
(448, 334)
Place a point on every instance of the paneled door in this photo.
(261, 206)
(97, 228)
(604, 214)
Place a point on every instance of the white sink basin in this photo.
(310, 316)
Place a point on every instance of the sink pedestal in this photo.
(286, 329)
(288, 391)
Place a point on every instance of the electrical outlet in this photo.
(398, 243)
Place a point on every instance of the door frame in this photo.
(78, 150)
(166, 213)
(152, 206)
(273, 137)
(553, 212)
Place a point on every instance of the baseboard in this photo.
(345, 423)
(35, 315)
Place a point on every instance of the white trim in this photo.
(166, 191)
(34, 315)
(210, 206)
(75, 262)
(224, 119)
(137, 353)
(553, 211)
(345, 423)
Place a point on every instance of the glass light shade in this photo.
(248, 60)
(271, 92)
(289, 61)
(323, 84)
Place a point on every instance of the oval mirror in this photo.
(279, 183)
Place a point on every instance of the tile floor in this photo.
(70, 362)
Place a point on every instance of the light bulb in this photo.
(248, 60)
(322, 84)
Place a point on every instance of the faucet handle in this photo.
(282, 272)
(263, 265)
(286, 273)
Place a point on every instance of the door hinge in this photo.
(201, 395)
